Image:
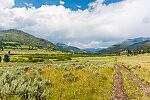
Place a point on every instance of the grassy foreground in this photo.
(81, 78)
(78, 78)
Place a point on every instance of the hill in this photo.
(66, 48)
(92, 50)
(140, 43)
(18, 39)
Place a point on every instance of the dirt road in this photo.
(118, 92)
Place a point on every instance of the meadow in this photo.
(61, 76)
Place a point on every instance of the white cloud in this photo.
(28, 5)
(62, 2)
(6, 3)
(103, 24)
(92, 44)
(78, 6)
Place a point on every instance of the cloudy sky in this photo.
(82, 23)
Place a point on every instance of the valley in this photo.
(67, 76)
(47, 71)
(74, 50)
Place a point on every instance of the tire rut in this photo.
(142, 85)
(118, 92)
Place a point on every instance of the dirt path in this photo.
(143, 86)
(118, 88)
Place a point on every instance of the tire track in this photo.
(142, 85)
(118, 92)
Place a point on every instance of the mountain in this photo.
(92, 50)
(18, 39)
(14, 39)
(66, 48)
(140, 43)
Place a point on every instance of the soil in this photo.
(118, 92)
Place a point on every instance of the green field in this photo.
(44, 75)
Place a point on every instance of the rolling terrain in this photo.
(92, 50)
(16, 39)
(140, 43)
(19, 39)
(66, 48)
(41, 74)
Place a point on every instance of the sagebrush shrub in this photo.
(15, 82)
(70, 77)
(6, 58)
(0, 59)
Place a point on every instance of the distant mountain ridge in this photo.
(18, 39)
(92, 50)
(66, 48)
(141, 43)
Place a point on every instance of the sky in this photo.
(81, 23)
(72, 4)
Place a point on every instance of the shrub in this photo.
(37, 60)
(40, 71)
(19, 59)
(63, 58)
(97, 73)
(23, 86)
(104, 77)
(70, 77)
(6, 58)
(30, 58)
(79, 67)
(0, 59)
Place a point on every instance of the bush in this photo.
(70, 77)
(6, 58)
(23, 86)
(63, 58)
(79, 66)
(19, 59)
(30, 58)
(0, 59)
(37, 60)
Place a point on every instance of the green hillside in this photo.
(140, 45)
(16, 39)
(66, 48)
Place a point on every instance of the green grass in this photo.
(83, 77)
(132, 89)
(91, 83)
(83, 80)
(143, 73)
(139, 65)
(39, 51)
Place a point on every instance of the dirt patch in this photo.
(118, 92)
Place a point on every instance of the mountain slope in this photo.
(17, 38)
(140, 43)
(66, 48)
(92, 50)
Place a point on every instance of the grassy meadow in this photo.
(44, 75)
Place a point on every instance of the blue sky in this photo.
(111, 1)
(72, 4)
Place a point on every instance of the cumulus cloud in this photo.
(28, 5)
(97, 26)
(62, 2)
(78, 6)
(93, 44)
(6, 3)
